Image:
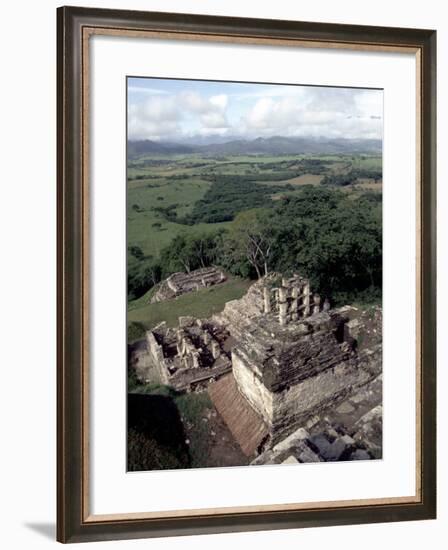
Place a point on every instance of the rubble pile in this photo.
(346, 432)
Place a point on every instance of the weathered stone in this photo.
(182, 283)
(186, 321)
(298, 435)
(312, 421)
(332, 433)
(336, 450)
(267, 300)
(358, 398)
(291, 460)
(345, 408)
(360, 454)
(308, 455)
(321, 443)
(306, 300)
(216, 350)
(348, 440)
(369, 431)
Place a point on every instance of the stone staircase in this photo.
(246, 426)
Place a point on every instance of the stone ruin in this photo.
(180, 283)
(291, 299)
(279, 356)
(293, 355)
(190, 355)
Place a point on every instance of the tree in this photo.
(136, 251)
(143, 274)
(251, 237)
(187, 252)
(332, 238)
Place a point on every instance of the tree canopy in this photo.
(327, 235)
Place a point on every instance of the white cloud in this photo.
(214, 120)
(168, 117)
(219, 101)
(144, 90)
(325, 112)
(155, 118)
(160, 109)
(265, 111)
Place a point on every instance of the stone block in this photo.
(291, 460)
(345, 408)
(348, 440)
(298, 435)
(308, 455)
(360, 454)
(312, 421)
(186, 321)
(336, 450)
(321, 443)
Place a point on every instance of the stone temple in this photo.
(272, 361)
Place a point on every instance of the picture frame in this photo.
(76, 26)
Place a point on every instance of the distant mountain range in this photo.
(276, 145)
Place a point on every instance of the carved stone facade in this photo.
(291, 298)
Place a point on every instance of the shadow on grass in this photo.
(156, 437)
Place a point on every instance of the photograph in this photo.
(254, 273)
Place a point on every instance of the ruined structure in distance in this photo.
(180, 283)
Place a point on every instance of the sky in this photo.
(170, 110)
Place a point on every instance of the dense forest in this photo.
(332, 237)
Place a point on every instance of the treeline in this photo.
(225, 198)
(340, 180)
(351, 177)
(140, 177)
(333, 239)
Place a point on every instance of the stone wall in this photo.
(295, 404)
(284, 410)
(250, 385)
(155, 351)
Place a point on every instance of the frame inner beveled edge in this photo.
(87, 32)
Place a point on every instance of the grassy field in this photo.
(203, 304)
(179, 181)
(147, 228)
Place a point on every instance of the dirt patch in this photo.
(305, 179)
